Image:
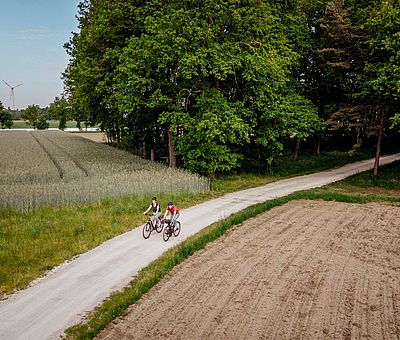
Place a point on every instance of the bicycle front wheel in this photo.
(177, 228)
(146, 230)
(166, 233)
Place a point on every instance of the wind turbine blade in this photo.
(18, 85)
(7, 84)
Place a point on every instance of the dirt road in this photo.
(306, 270)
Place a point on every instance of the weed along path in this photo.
(63, 297)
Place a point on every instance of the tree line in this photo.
(213, 85)
(37, 116)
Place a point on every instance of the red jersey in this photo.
(173, 209)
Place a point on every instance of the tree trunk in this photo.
(171, 149)
(152, 153)
(297, 149)
(144, 152)
(318, 147)
(379, 141)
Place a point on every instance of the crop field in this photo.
(58, 168)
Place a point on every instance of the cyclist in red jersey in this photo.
(172, 211)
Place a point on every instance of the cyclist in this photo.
(155, 207)
(172, 211)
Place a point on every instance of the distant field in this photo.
(21, 124)
(59, 168)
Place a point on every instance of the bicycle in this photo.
(150, 226)
(171, 229)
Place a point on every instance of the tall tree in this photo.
(381, 77)
(104, 27)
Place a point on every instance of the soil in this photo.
(305, 270)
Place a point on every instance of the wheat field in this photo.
(52, 168)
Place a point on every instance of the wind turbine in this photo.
(12, 98)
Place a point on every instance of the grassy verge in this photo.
(33, 243)
(117, 304)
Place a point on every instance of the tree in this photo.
(42, 123)
(5, 118)
(32, 115)
(379, 82)
(60, 110)
(210, 142)
(104, 27)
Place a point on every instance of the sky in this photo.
(32, 35)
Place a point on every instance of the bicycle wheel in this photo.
(146, 230)
(177, 228)
(167, 233)
(159, 226)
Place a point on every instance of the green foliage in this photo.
(6, 121)
(42, 123)
(290, 116)
(185, 64)
(381, 76)
(60, 110)
(212, 133)
(260, 69)
(395, 120)
(32, 115)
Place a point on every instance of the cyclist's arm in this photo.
(148, 209)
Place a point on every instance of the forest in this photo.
(215, 86)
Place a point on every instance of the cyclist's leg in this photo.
(176, 218)
(157, 218)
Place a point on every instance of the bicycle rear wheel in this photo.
(146, 230)
(159, 226)
(177, 228)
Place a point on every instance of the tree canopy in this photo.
(209, 84)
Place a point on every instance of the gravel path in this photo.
(62, 298)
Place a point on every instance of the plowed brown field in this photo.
(305, 270)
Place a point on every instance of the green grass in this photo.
(21, 124)
(388, 178)
(387, 183)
